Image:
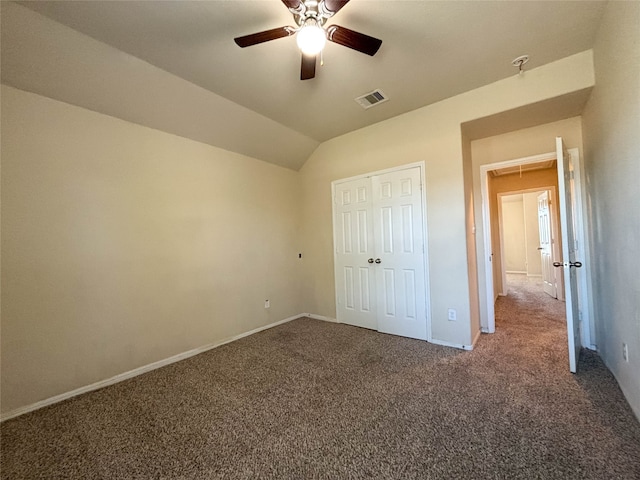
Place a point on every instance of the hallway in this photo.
(535, 321)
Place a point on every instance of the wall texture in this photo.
(520, 233)
(513, 232)
(123, 245)
(534, 263)
(612, 167)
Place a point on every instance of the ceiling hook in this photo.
(519, 62)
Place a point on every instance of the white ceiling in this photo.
(431, 50)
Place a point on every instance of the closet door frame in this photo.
(423, 195)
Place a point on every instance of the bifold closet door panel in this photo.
(399, 245)
(355, 267)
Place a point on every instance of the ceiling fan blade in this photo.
(308, 69)
(349, 38)
(292, 3)
(265, 36)
(334, 6)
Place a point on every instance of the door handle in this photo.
(370, 260)
(571, 264)
(540, 248)
(378, 260)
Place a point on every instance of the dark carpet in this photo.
(315, 400)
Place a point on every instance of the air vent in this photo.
(370, 99)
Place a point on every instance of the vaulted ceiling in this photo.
(431, 50)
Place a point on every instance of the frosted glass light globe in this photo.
(311, 38)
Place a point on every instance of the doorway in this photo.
(569, 204)
(529, 238)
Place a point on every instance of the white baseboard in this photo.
(320, 317)
(145, 368)
(453, 345)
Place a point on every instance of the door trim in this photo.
(423, 195)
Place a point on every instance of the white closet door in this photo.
(399, 245)
(354, 269)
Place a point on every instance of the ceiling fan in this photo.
(310, 16)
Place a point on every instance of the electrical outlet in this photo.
(267, 304)
(452, 315)
(625, 352)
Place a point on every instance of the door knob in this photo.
(370, 260)
(571, 264)
(378, 260)
(540, 248)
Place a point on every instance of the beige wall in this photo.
(520, 233)
(532, 240)
(123, 245)
(509, 146)
(513, 234)
(431, 134)
(612, 167)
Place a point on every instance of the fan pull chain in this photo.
(321, 58)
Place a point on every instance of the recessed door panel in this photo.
(347, 239)
(387, 229)
(363, 231)
(365, 289)
(407, 228)
(389, 289)
(348, 288)
(409, 285)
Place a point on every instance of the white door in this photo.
(354, 268)
(544, 230)
(566, 189)
(379, 244)
(399, 242)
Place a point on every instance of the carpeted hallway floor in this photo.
(315, 400)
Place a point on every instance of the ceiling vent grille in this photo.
(370, 99)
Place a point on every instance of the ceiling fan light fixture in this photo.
(311, 38)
